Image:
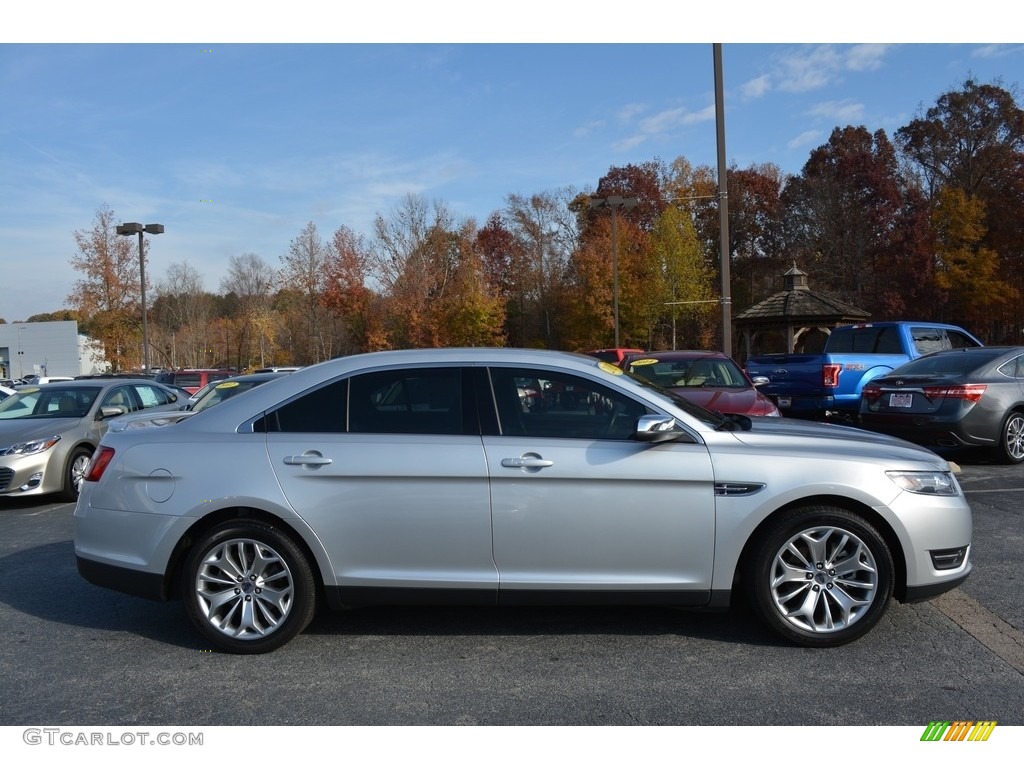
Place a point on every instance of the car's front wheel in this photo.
(247, 587)
(822, 576)
(74, 474)
(1011, 439)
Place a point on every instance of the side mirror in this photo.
(658, 429)
(112, 411)
(757, 381)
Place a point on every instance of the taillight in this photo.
(871, 392)
(830, 374)
(970, 392)
(99, 463)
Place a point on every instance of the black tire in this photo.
(1011, 439)
(74, 474)
(275, 596)
(794, 588)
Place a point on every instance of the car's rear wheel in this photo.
(247, 587)
(822, 576)
(1011, 439)
(74, 474)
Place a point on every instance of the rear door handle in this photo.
(308, 459)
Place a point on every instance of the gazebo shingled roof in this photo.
(797, 309)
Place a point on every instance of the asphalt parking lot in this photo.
(78, 655)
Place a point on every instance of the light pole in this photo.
(132, 228)
(614, 202)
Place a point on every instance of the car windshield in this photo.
(690, 372)
(49, 403)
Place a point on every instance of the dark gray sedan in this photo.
(957, 398)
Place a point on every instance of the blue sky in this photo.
(234, 147)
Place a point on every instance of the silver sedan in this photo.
(455, 476)
(48, 432)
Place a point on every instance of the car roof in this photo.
(232, 412)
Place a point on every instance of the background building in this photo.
(47, 349)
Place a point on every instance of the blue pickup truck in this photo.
(827, 386)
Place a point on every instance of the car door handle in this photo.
(308, 459)
(527, 462)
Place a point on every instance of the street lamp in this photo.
(614, 202)
(132, 228)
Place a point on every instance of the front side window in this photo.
(540, 403)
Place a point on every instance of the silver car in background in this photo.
(48, 432)
(435, 476)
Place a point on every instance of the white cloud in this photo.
(844, 111)
(805, 139)
(629, 111)
(863, 58)
(588, 129)
(756, 88)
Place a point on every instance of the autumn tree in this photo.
(841, 215)
(303, 279)
(250, 282)
(683, 284)
(414, 257)
(972, 139)
(347, 296)
(182, 314)
(967, 270)
(108, 292)
(507, 274)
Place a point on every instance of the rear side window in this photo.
(927, 340)
(417, 401)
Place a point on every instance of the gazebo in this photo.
(796, 317)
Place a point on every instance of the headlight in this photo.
(934, 483)
(33, 446)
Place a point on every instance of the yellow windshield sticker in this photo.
(226, 385)
(609, 368)
(645, 361)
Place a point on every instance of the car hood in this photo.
(821, 438)
(22, 430)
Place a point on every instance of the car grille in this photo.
(6, 475)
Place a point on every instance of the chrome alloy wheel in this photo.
(244, 588)
(823, 579)
(79, 465)
(1013, 438)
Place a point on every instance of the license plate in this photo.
(785, 402)
(900, 400)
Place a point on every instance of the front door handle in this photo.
(308, 459)
(527, 462)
